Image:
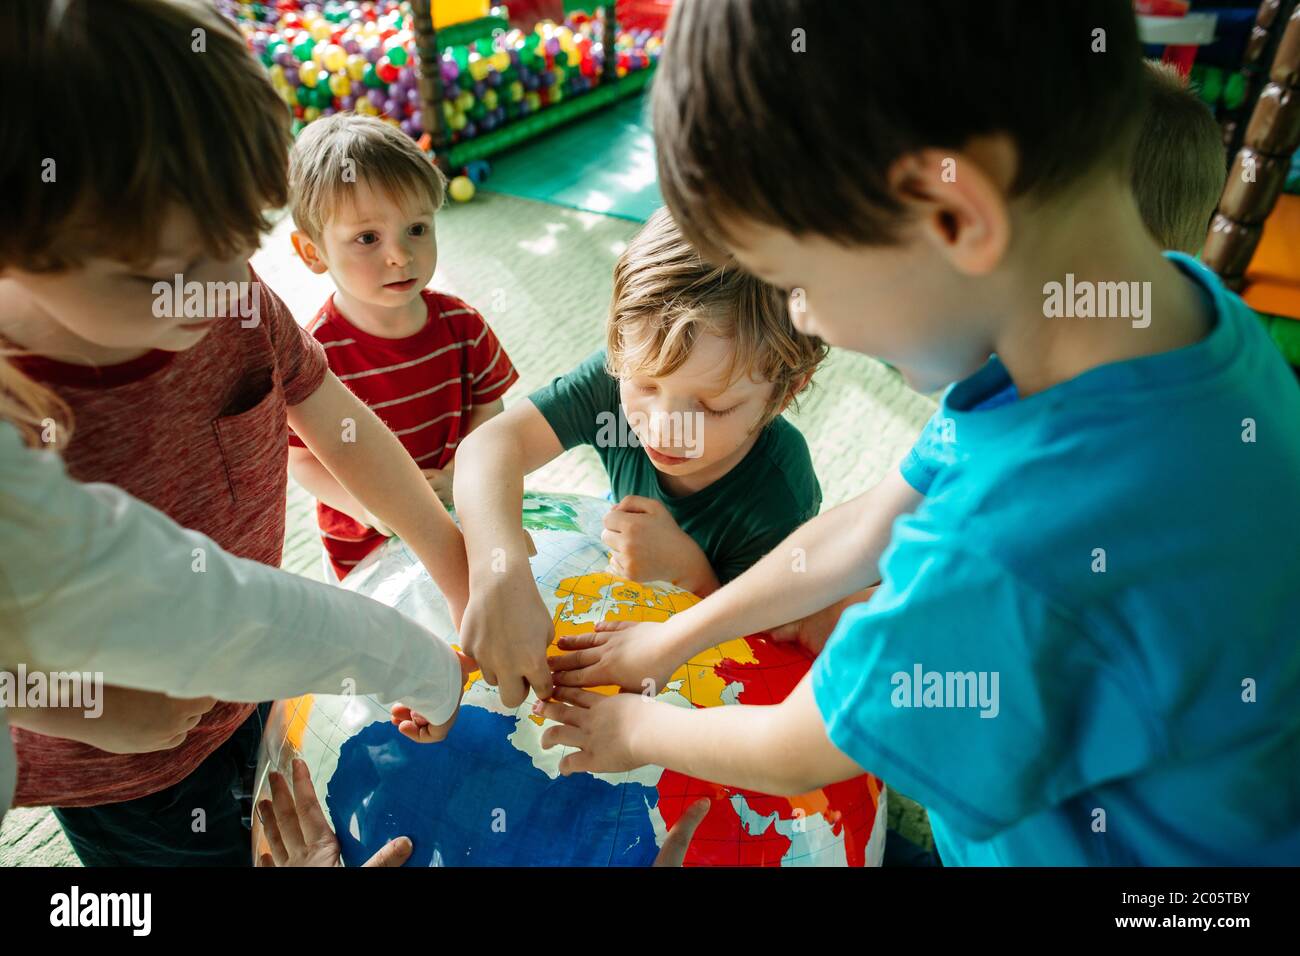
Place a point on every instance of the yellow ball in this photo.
(334, 58)
(516, 91)
(311, 113)
(321, 30)
(461, 189)
(457, 121)
(365, 106)
(276, 73)
(308, 76)
(478, 68)
(465, 100)
(501, 61)
(356, 67)
(490, 99)
(340, 85)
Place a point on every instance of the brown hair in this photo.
(377, 153)
(791, 113)
(31, 407)
(131, 106)
(1181, 164)
(666, 296)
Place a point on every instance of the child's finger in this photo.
(678, 840)
(617, 521)
(539, 679)
(636, 504)
(579, 761)
(562, 735)
(309, 812)
(265, 860)
(286, 814)
(604, 627)
(271, 828)
(577, 642)
(583, 677)
(393, 853)
(611, 539)
(559, 713)
(584, 657)
(578, 697)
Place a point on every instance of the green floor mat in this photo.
(602, 163)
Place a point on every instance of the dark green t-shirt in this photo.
(737, 519)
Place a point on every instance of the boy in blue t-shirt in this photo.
(1083, 647)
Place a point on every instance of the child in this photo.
(1180, 165)
(189, 414)
(684, 408)
(363, 198)
(1071, 658)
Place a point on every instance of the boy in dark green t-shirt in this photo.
(684, 408)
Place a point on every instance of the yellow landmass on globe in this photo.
(630, 601)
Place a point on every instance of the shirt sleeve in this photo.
(928, 455)
(491, 372)
(975, 695)
(294, 440)
(92, 579)
(299, 358)
(579, 404)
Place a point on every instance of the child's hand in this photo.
(623, 653)
(600, 727)
(413, 724)
(507, 629)
(646, 544)
(298, 832)
(440, 480)
(814, 630)
(678, 840)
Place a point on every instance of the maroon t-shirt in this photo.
(202, 436)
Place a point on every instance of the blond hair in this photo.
(159, 104)
(666, 296)
(31, 407)
(335, 152)
(1181, 165)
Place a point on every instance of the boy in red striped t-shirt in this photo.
(363, 198)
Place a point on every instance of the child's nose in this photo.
(398, 254)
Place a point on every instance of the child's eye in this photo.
(368, 238)
(646, 389)
(419, 229)
(719, 413)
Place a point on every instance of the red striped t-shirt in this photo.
(423, 387)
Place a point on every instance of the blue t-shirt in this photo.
(1102, 591)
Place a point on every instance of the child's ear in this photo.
(308, 252)
(960, 200)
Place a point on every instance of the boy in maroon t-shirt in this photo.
(363, 198)
(128, 293)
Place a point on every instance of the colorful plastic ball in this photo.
(478, 68)
(392, 107)
(457, 121)
(308, 76)
(334, 59)
(397, 55)
(371, 77)
(340, 85)
(386, 70)
(356, 68)
(464, 101)
(376, 98)
(302, 49)
(310, 113)
(461, 189)
(501, 61)
(490, 99)
(470, 130)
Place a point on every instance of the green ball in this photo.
(298, 126)
(561, 59)
(397, 56)
(324, 97)
(302, 49)
(1212, 85)
(371, 77)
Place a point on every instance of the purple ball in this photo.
(413, 97)
(532, 82)
(514, 57)
(351, 46)
(405, 76)
(489, 123)
(373, 52)
(347, 102)
(392, 108)
(494, 79)
(376, 98)
(417, 119)
(328, 111)
(407, 127)
(479, 89)
(501, 114)
(291, 75)
(470, 130)
(553, 46)
(285, 58)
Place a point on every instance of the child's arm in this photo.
(442, 479)
(318, 481)
(781, 749)
(379, 473)
(838, 553)
(507, 627)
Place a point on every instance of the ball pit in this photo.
(360, 55)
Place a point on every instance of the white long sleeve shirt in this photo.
(94, 580)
